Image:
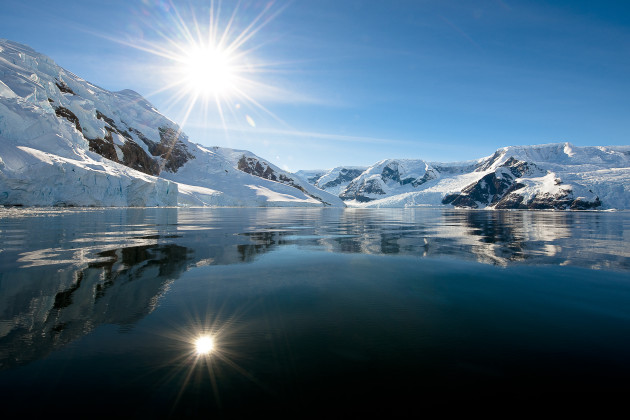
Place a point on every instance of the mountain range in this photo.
(555, 176)
(67, 142)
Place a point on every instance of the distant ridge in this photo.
(558, 176)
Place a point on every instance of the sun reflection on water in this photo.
(204, 345)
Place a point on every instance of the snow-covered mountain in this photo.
(65, 141)
(333, 180)
(549, 176)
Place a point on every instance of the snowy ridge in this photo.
(336, 180)
(311, 176)
(550, 176)
(389, 177)
(65, 141)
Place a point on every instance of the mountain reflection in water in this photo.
(64, 273)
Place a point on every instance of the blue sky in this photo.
(353, 82)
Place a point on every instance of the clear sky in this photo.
(322, 83)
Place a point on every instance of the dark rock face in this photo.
(63, 87)
(135, 157)
(499, 189)
(371, 187)
(511, 201)
(313, 179)
(112, 126)
(69, 115)
(345, 175)
(356, 191)
(255, 167)
(171, 149)
(580, 204)
(520, 168)
(391, 173)
(494, 187)
(104, 147)
(260, 169)
(550, 201)
(490, 188)
(428, 176)
(459, 200)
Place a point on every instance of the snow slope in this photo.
(65, 141)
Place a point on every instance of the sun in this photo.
(206, 58)
(209, 71)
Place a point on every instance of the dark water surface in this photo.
(312, 311)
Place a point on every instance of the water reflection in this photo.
(293, 305)
(42, 311)
(66, 272)
(228, 236)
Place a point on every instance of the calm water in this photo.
(386, 311)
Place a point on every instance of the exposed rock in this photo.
(355, 191)
(112, 124)
(255, 167)
(63, 87)
(314, 179)
(511, 201)
(497, 189)
(260, 169)
(135, 157)
(391, 173)
(101, 116)
(459, 200)
(69, 115)
(371, 186)
(345, 175)
(581, 204)
(487, 164)
(385, 177)
(171, 149)
(547, 201)
(428, 176)
(104, 147)
(520, 168)
(150, 143)
(489, 189)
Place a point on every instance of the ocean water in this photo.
(326, 312)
